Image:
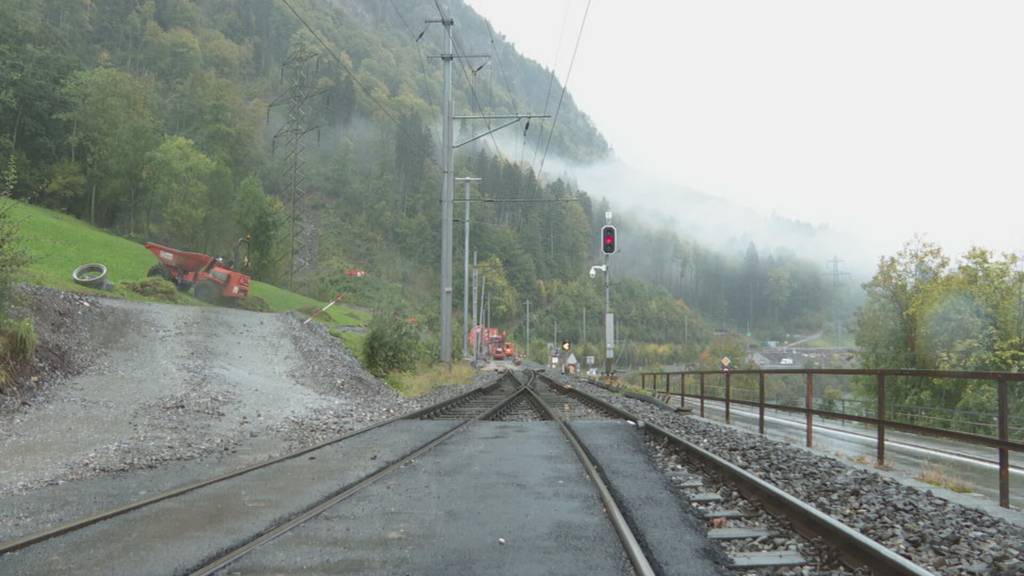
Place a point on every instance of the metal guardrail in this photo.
(1002, 380)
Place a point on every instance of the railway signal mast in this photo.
(609, 246)
(448, 167)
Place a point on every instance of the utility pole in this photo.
(448, 167)
(465, 267)
(836, 275)
(583, 339)
(483, 322)
(447, 184)
(556, 334)
(475, 281)
(527, 329)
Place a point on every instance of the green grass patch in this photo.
(58, 243)
(354, 341)
(424, 379)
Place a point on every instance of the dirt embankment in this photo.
(125, 385)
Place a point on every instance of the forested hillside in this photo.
(195, 123)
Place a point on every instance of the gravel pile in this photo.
(940, 535)
(72, 330)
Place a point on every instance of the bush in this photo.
(21, 341)
(392, 344)
(12, 253)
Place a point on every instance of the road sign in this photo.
(566, 345)
(726, 362)
(590, 360)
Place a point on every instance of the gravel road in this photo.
(126, 386)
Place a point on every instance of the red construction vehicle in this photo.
(212, 279)
(494, 343)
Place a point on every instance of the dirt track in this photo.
(153, 383)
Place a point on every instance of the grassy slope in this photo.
(57, 243)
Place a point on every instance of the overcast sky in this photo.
(879, 118)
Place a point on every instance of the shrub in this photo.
(392, 344)
(21, 341)
(12, 253)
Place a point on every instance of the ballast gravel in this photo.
(942, 536)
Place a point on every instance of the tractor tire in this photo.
(92, 276)
(158, 270)
(208, 292)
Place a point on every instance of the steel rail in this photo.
(212, 566)
(855, 549)
(74, 525)
(629, 542)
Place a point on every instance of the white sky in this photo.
(879, 118)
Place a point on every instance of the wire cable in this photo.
(416, 42)
(355, 79)
(551, 81)
(565, 85)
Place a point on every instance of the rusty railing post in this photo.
(728, 389)
(1004, 436)
(701, 394)
(809, 405)
(668, 381)
(880, 457)
(682, 389)
(643, 380)
(760, 402)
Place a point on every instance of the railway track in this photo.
(468, 407)
(719, 490)
(95, 544)
(201, 516)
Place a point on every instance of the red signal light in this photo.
(608, 239)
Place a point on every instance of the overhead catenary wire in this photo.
(551, 80)
(475, 99)
(416, 41)
(508, 88)
(565, 84)
(355, 79)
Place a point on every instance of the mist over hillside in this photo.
(713, 221)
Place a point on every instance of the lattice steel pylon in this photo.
(299, 71)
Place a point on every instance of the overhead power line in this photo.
(460, 56)
(355, 79)
(416, 41)
(565, 84)
(551, 80)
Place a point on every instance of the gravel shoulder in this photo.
(945, 537)
(131, 398)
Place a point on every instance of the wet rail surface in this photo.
(478, 443)
(854, 550)
(523, 476)
(209, 516)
